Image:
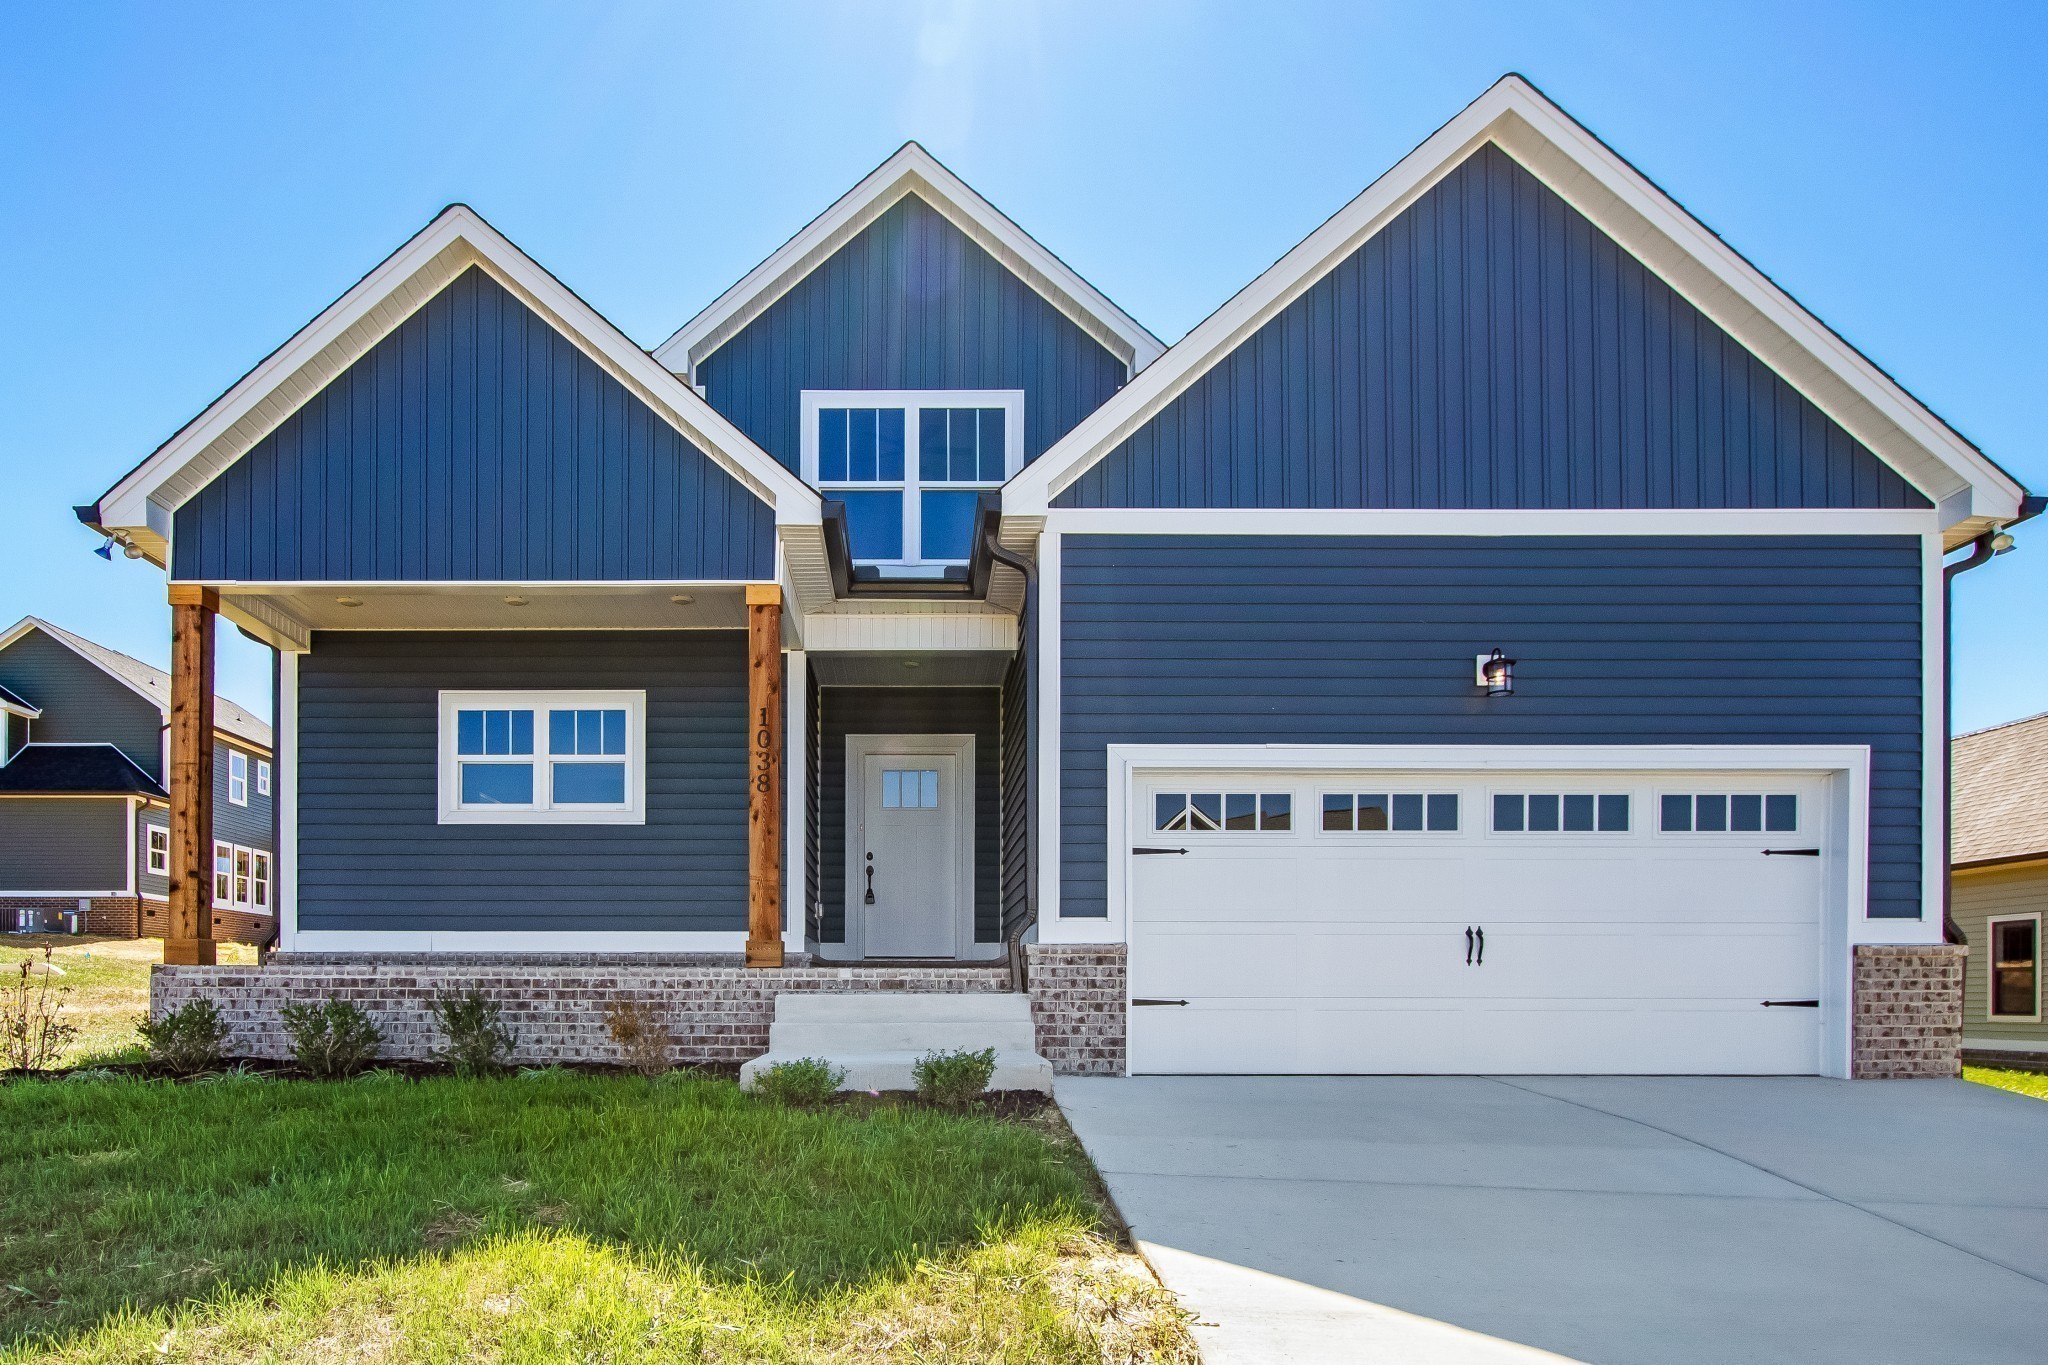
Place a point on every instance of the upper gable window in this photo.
(910, 467)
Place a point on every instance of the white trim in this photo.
(59, 634)
(149, 850)
(1642, 220)
(1847, 861)
(911, 402)
(516, 941)
(285, 869)
(796, 807)
(140, 505)
(1934, 755)
(959, 748)
(116, 892)
(233, 754)
(263, 772)
(1267, 521)
(911, 170)
(1046, 642)
(543, 812)
(1991, 923)
(134, 818)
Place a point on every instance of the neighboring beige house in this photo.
(1999, 868)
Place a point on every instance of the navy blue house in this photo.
(1506, 636)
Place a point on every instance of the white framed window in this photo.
(1727, 813)
(241, 876)
(223, 874)
(1208, 812)
(910, 466)
(1390, 812)
(238, 778)
(2015, 984)
(570, 757)
(263, 777)
(260, 881)
(159, 850)
(1560, 813)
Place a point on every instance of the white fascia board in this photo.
(1434, 521)
(1644, 221)
(912, 170)
(140, 505)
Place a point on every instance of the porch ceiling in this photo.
(488, 606)
(909, 668)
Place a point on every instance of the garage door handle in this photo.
(1791, 853)
(1481, 959)
(1158, 850)
(1159, 1002)
(1468, 945)
(1794, 1004)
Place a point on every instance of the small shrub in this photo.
(333, 1040)
(644, 1041)
(190, 1038)
(954, 1078)
(804, 1083)
(33, 1031)
(479, 1044)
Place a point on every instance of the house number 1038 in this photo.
(764, 752)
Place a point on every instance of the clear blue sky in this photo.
(186, 185)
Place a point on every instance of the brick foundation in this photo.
(229, 926)
(1078, 1001)
(1909, 1011)
(718, 1010)
(113, 916)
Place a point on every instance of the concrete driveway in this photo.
(1710, 1219)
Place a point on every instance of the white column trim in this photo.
(284, 786)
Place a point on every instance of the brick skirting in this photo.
(718, 1010)
(1909, 1011)
(229, 926)
(1078, 1000)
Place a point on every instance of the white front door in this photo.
(1470, 923)
(907, 886)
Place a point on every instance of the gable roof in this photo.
(1971, 492)
(14, 705)
(76, 770)
(147, 681)
(2000, 779)
(139, 507)
(912, 170)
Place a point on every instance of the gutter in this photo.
(1983, 550)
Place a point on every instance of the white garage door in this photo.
(1331, 923)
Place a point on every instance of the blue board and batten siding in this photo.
(1491, 347)
(373, 857)
(911, 302)
(1370, 640)
(474, 443)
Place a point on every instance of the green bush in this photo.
(954, 1078)
(190, 1038)
(479, 1044)
(332, 1040)
(804, 1083)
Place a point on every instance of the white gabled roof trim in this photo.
(912, 170)
(1970, 490)
(141, 504)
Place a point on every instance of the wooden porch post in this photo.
(764, 775)
(189, 939)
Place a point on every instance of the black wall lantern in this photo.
(1496, 674)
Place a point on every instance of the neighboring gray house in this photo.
(83, 810)
(1999, 888)
(1506, 636)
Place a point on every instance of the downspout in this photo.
(1983, 550)
(1019, 976)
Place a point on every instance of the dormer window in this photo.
(910, 466)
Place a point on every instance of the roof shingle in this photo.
(2000, 778)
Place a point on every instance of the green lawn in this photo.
(2023, 1082)
(104, 984)
(543, 1217)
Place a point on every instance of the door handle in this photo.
(870, 900)
(1158, 850)
(1481, 959)
(1468, 945)
(1791, 853)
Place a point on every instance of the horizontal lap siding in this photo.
(1370, 640)
(247, 824)
(373, 857)
(1977, 898)
(81, 702)
(911, 711)
(1491, 348)
(63, 843)
(474, 443)
(910, 303)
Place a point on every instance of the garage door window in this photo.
(1201, 812)
(1559, 813)
(1738, 813)
(1398, 812)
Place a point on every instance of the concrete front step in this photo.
(878, 1036)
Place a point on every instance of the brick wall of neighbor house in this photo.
(113, 916)
(1078, 1003)
(1908, 1011)
(229, 926)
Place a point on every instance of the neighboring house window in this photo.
(2016, 967)
(543, 758)
(159, 850)
(910, 467)
(1198, 812)
(262, 777)
(1569, 813)
(241, 878)
(223, 874)
(1398, 812)
(260, 899)
(1739, 813)
(238, 778)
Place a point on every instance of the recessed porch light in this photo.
(911, 663)
(349, 601)
(515, 600)
(681, 599)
